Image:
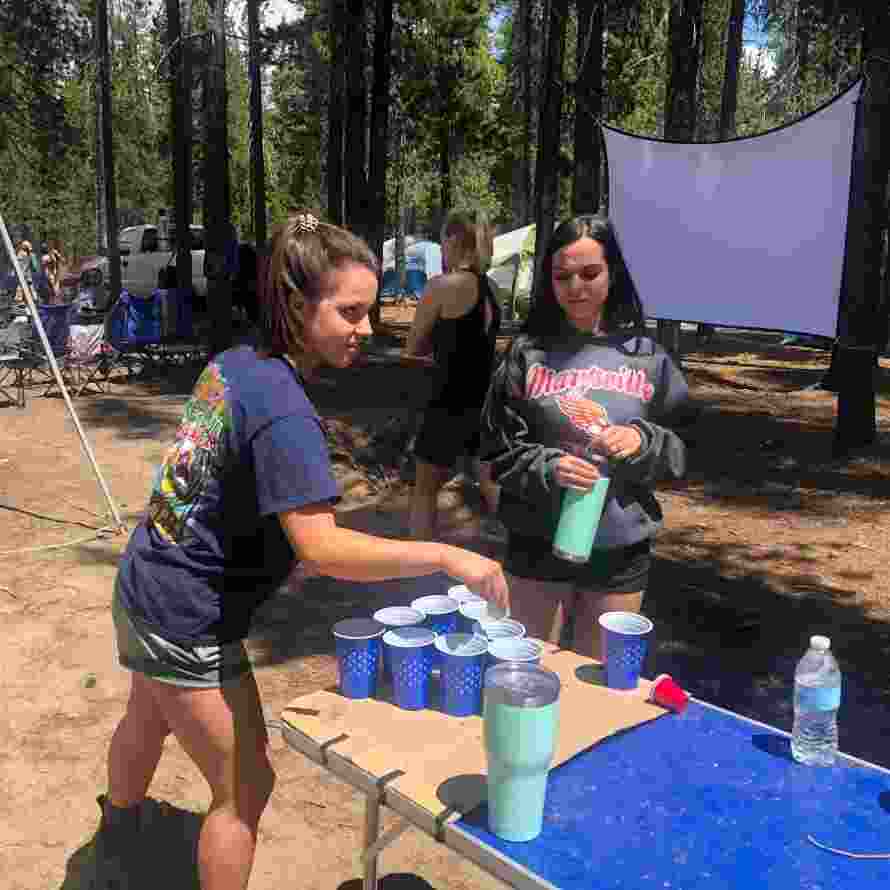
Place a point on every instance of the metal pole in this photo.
(372, 829)
(35, 317)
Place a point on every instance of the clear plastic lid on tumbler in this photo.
(521, 685)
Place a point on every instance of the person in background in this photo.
(52, 263)
(245, 490)
(29, 264)
(457, 321)
(582, 393)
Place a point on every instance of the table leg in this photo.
(372, 828)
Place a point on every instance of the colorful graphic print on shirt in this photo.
(570, 389)
(192, 462)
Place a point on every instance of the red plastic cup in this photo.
(668, 694)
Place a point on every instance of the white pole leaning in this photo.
(35, 318)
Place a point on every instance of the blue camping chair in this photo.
(56, 322)
(144, 334)
(415, 282)
(390, 287)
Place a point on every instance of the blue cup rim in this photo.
(409, 637)
(490, 611)
(460, 593)
(534, 649)
(399, 616)
(468, 645)
(607, 618)
(511, 623)
(435, 604)
(358, 629)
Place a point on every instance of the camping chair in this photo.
(389, 287)
(415, 282)
(12, 370)
(142, 334)
(56, 321)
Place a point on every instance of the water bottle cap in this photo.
(820, 643)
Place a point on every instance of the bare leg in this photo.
(542, 606)
(428, 481)
(590, 605)
(136, 746)
(224, 732)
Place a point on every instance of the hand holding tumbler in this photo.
(521, 726)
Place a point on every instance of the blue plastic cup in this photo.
(463, 661)
(624, 637)
(358, 655)
(396, 616)
(441, 616)
(499, 629)
(411, 656)
(476, 612)
(519, 649)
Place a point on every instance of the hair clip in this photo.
(306, 222)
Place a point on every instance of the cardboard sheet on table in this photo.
(433, 749)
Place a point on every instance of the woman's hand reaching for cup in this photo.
(481, 574)
(575, 472)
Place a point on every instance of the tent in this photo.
(511, 263)
(511, 244)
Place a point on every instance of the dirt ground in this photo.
(767, 541)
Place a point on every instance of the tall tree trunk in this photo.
(103, 53)
(730, 98)
(257, 157)
(357, 215)
(805, 21)
(101, 213)
(180, 119)
(220, 235)
(684, 43)
(549, 129)
(524, 108)
(861, 328)
(588, 106)
(444, 171)
(383, 22)
(336, 110)
(680, 110)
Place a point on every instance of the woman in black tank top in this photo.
(463, 346)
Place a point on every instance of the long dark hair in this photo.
(623, 306)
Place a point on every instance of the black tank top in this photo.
(464, 351)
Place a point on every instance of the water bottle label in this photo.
(819, 698)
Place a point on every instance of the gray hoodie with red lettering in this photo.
(550, 397)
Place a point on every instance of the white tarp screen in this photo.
(747, 233)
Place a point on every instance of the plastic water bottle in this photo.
(817, 697)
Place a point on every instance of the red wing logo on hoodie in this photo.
(586, 415)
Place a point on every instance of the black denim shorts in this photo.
(621, 570)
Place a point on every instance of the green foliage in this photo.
(455, 66)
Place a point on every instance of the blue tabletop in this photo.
(704, 799)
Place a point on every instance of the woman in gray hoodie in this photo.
(582, 393)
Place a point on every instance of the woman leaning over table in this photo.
(245, 490)
(457, 320)
(582, 393)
